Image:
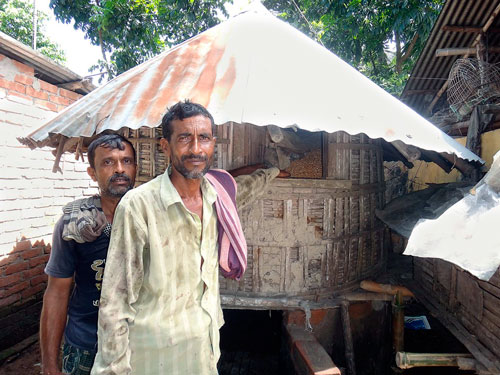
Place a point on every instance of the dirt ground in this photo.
(26, 363)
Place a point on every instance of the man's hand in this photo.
(53, 321)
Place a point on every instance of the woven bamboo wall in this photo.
(474, 303)
(306, 237)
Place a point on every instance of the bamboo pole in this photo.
(398, 322)
(406, 360)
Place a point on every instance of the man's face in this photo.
(114, 170)
(191, 146)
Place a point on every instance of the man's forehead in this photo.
(198, 122)
(106, 150)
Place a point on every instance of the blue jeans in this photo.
(77, 361)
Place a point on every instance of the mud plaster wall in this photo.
(309, 238)
(31, 196)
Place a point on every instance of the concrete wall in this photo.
(31, 196)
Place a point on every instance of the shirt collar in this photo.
(170, 195)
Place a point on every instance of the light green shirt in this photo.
(160, 307)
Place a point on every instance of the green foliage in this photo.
(16, 20)
(132, 31)
(362, 32)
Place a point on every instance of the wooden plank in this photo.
(490, 288)
(477, 349)
(300, 182)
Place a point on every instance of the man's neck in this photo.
(186, 187)
(108, 205)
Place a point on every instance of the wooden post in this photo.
(349, 346)
(398, 322)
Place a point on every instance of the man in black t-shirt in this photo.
(79, 247)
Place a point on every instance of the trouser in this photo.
(76, 361)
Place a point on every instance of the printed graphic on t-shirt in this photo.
(98, 267)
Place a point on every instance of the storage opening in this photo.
(251, 342)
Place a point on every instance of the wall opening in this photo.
(251, 343)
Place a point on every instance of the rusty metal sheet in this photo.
(255, 69)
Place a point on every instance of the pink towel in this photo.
(232, 243)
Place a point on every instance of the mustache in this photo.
(117, 176)
(194, 157)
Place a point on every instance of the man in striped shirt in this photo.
(160, 307)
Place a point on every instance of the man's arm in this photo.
(52, 322)
(123, 277)
(250, 187)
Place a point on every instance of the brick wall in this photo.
(31, 196)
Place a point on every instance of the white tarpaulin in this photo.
(467, 234)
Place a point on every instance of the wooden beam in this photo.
(437, 159)
(468, 29)
(464, 125)
(418, 92)
(411, 153)
(476, 40)
(443, 52)
(466, 168)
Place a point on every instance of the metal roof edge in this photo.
(43, 65)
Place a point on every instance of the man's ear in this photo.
(165, 146)
(91, 173)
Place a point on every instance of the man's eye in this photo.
(108, 162)
(127, 161)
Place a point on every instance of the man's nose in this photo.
(119, 167)
(195, 146)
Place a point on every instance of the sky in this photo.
(80, 53)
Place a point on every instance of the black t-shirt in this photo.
(86, 262)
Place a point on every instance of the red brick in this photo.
(39, 243)
(25, 80)
(24, 68)
(48, 87)
(14, 289)
(9, 300)
(9, 280)
(22, 245)
(33, 290)
(45, 104)
(38, 260)
(36, 94)
(14, 86)
(32, 253)
(47, 249)
(69, 94)
(17, 267)
(59, 100)
(35, 271)
(39, 279)
(8, 260)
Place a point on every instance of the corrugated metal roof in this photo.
(431, 72)
(254, 69)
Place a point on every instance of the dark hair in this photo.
(109, 140)
(181, 111)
